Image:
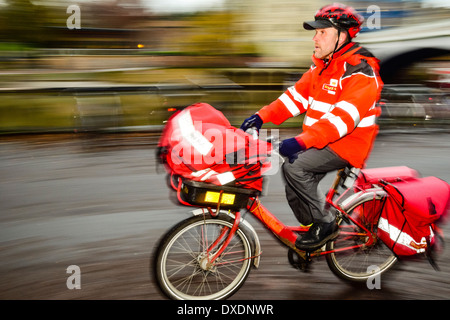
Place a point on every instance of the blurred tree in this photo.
(214, 33)
(120, 24)
(20, 22)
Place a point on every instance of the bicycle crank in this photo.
(297, 261)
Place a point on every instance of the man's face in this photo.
(324, 42)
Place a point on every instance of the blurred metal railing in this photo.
(104, 108)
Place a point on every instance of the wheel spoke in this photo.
(356, 264)
(186, 269)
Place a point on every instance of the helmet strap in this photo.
(328, 61)
(337, 43)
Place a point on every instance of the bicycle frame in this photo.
(288, 234)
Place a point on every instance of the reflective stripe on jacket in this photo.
(339, 101)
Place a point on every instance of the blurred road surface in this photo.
(100, 204)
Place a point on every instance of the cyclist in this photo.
(338, 95)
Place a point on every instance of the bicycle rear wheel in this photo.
(182, 264)
(362, 262)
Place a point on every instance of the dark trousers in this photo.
(302, 179)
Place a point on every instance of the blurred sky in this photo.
(436, 3)
(182, 6)
(159, 6)
(164, 6)
(179, 6)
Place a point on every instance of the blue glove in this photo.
(290, 148)
(254, 121)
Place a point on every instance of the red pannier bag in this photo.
(368, 177)
(407, 224)
(369, 213)
(199, 146)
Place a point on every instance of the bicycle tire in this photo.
(180, 267)
(360, 264)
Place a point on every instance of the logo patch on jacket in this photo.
(331, 87)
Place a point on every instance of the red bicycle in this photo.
(210, 255)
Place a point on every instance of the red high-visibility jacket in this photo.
(339, 101)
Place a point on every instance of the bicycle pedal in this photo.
(297, 261)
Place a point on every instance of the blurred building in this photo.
(267, 29)
(276, 27)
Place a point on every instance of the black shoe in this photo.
(318, 234)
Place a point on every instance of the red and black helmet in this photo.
(339, 16)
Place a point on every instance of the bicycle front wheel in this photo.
(183, 267)
(361, 262)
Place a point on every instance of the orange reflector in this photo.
(227, 198)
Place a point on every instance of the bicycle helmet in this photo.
(339, 16)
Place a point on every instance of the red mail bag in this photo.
(407, 224)
(199, 144)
